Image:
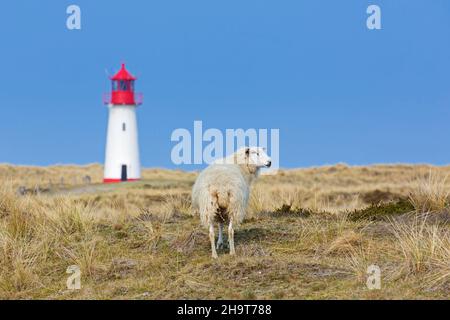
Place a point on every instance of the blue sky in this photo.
(337, 91)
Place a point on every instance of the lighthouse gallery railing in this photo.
(138, 98)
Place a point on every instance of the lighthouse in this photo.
(122, 148)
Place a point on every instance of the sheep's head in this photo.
(252, 158)
(256, 156)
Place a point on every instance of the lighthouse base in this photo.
(118, 180)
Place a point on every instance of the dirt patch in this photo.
(253, 250)
(429, 218)
(380, 229)
(186, 243)
(271, 269)
(322, 271)
(121, 267)
(384, 228)
(255, 234)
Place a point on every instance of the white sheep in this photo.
(221, 192)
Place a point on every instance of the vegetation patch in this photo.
(378, 196)
(379, 212)
(289, 210)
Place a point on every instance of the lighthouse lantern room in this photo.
(122, 147)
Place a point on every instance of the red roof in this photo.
(123, 74)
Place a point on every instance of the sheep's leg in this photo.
(211, 238)
(220, 240)
(231, 237)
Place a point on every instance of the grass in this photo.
(425, 248)
(430, 192)
(310, 233)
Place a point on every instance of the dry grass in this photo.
(310, 234)
(424, 247)
(430, 192)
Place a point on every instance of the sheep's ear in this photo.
(247, 151)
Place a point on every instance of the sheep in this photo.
(221, 191)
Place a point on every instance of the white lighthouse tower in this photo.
(122, 147)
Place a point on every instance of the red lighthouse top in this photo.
(123, 74)
(123, 89)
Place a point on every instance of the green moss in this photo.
(382, 211)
